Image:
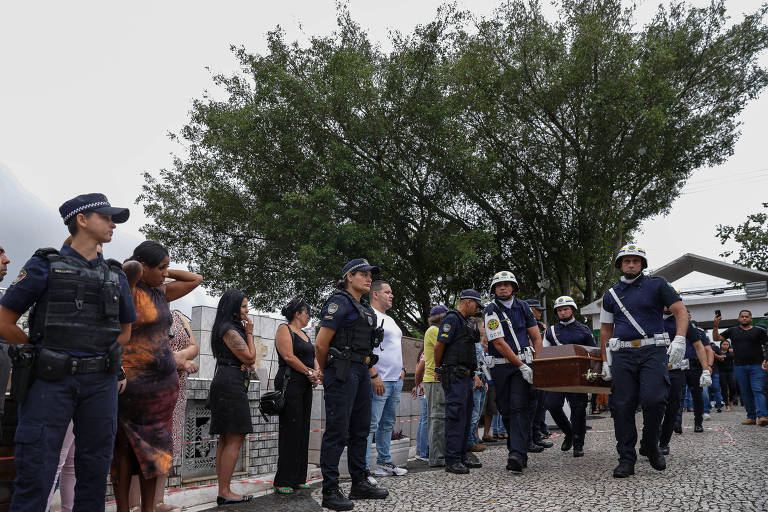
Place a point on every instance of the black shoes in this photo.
(567, 443)
(334, 499)
(698, 428)
(664, 449)
(677, 429)
(657, 460)
(624, 470)
(642, 451)
(230, 501)
(363, 490)
(578, 452)
(457, 469)
(543, 443)
(514, 464)
(534, 448)
(471, 464)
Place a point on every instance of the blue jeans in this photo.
(383, 416)
(706, 400)
(751, 379)
(478, 397)
(688, 402)
(497, 426)
(714, 390)
(422, 436)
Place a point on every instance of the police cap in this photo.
(357, 265)
(98, 203)
(534, 303)
(472, 294)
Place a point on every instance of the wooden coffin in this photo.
(566, 368)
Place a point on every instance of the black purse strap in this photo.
(286, 377)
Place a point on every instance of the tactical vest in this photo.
(461, 351)
(80, 309)
(358, 336)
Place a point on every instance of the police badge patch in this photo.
(447, 327)
(21, 276)
(493, 324)
(332, 308)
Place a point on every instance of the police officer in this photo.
(634, 346)
(567, 331)
(344, 347)
(83, 313)
(513, 335)
(678, 375)
(539, 432)
(456, 362)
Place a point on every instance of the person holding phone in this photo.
(235, 354)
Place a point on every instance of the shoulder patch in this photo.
(20, 277)
(446, 327)
(332, 308)
(493, 324)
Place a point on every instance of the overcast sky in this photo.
(89, 91)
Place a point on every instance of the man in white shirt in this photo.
(387, 381)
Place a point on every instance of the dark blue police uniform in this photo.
(346, 387)
(692, 377)
(515, 398)
(458, 364)
(570, 333)
(88, 399)
(677, 378)
(639, 373)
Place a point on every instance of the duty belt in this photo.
(96, 364)
(356, 357)
(500, 360)
(461, 371)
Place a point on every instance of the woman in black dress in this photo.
(296, 359)
(232, 346)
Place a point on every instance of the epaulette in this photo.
(46, 253)
(114, 264)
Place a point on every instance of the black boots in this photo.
(624, 470)
(334, 499)
(363, 490)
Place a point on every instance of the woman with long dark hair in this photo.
(234, 351)
(145, 410)
(297, 363)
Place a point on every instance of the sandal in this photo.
(284, 491)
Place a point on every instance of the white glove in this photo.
(606, 371)
(527, 373)
(676, 350)
(706, 379)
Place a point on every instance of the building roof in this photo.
(688, 263)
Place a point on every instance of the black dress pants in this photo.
(293, 443)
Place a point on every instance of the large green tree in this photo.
(473, 145)
(752, 237)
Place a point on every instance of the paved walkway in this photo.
(724, 468)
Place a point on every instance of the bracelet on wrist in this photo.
(374, 376)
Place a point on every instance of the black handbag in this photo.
(273, 403)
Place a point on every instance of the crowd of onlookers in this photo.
(160, 355)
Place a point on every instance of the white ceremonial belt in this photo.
(642, 342)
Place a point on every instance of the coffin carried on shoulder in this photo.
(570, 369)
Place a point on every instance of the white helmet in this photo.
(631, 250)
(565, 301)
(505, 276)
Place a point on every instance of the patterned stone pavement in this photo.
(724, 468)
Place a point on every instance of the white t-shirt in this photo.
(390, 352)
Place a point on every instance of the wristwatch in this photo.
(310, 372)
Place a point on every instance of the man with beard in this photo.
(747, 342)
(634, 345)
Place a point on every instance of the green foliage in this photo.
(472, 146)
(752, 236)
